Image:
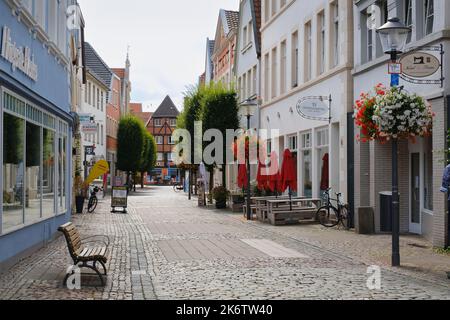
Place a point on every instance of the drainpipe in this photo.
(448, 155)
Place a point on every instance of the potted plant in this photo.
(80, 192)
(220, 195)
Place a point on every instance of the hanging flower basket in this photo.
(392, 114)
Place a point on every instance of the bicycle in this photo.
(93, 200)
(330, 215)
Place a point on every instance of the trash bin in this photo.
(386, 211)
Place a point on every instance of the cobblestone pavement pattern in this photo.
(168, 248)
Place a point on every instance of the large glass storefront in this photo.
(34, 163)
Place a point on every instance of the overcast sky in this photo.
(167, 40)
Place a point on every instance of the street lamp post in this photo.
(248, 109)
(393, 36)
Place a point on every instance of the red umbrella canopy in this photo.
(273, 174)
(261, 178)
(289, 172)
(242, 176)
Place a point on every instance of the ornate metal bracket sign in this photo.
(315, 108)
(417, 65)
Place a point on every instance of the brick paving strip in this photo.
(167, 248)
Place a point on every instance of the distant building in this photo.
(209, 64)
(161, 125)
(247, 70)
(125, 90)
(224, 52)
(112, 124)
(95, 93)
(136, 110)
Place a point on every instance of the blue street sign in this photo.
(395, 80)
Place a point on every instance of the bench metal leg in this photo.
(85, 265)
(103, 265)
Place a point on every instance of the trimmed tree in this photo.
(130, 145)
(220, 110)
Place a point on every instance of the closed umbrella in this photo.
(289, 174)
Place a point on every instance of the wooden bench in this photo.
(82, 256)
(284, 215)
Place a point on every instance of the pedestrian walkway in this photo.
(168, 248)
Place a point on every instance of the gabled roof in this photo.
(256, 13)
(120, 72)
(96, 66)
(230, 20)
(167, 109)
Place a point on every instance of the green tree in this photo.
(148, 160)
(220, 110)
(130, 145)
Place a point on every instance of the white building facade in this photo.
(307, 50)
(247, 70)
(423, 209)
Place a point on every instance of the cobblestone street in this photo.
(168, 248)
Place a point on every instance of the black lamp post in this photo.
(248, 109)
(393, 36)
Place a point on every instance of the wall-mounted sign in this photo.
(89, 150)
(90, 128)
(315, 108)
(420, 64)
(395, 68)
(85, 118)
(19, 57)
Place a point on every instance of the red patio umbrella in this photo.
(273, 174)
(262, 178)
(242, 176)
(289, 174)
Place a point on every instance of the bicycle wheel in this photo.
(345, 217)
(92, 205)
(328, 216)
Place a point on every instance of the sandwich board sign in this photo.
(119, 199)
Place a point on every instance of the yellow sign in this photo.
(100, 168)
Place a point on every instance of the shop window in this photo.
(48, 171)
(33, 190)
(62, 170)
(13, 171)
(293, 143)
(322, 141)
(429, 16)
(306, 154)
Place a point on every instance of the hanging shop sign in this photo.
(19, 57)
(315, 108)
(89, 150)
(90, 128)
(420, 64)
(85, 118)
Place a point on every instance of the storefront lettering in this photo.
(20, 57)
